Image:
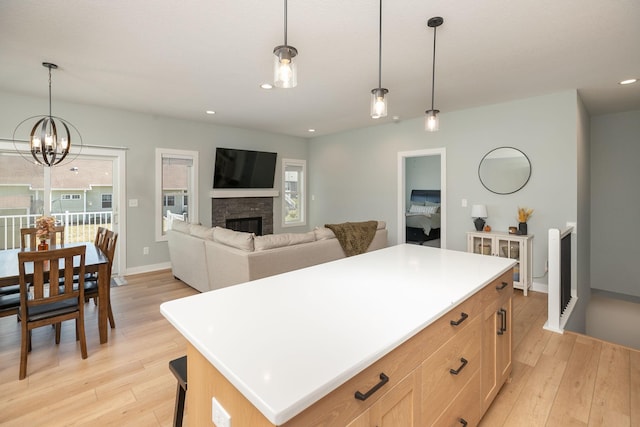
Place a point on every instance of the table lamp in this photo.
(479, 212)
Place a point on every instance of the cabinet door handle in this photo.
(504, 319)
(457, 371)
(463, 317)
(502, 286)
(383, 380)
(463, 422)
(501, 314)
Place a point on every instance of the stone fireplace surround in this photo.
(242, 207)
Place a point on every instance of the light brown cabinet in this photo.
(397, 407)
(447, 374)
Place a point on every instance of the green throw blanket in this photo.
(354, 237)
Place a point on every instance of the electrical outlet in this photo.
(145, 250)
(219, 416)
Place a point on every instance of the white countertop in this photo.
(288, 340)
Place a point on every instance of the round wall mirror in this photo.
(504, 170)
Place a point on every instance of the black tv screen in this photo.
(244, 168)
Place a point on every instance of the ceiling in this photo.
(179, 58)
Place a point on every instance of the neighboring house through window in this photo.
(294, 192)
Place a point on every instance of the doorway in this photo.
(81, 194)
(416, 170)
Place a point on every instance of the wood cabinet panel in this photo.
(465, 407)
(439, 385)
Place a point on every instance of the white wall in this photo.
(615, 202)
(363, 180)
(141, 134)
(421, 173)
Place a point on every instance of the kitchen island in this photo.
(348, 341)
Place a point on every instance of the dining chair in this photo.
(28, 235)
(108, 247)
(41, 304)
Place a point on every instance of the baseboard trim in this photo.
(148, 268)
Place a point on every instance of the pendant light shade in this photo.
(285, 72)
(431, 121)
(378, 95)
(50, 137)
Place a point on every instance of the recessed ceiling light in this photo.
(312, 130)
(266, 86)
(210, 112)
(628, 81)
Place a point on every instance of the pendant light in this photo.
(285, 73)
(378, 98)
(431, 121)
(50, 139)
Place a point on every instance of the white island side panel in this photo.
(288, 340)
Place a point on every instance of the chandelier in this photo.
(50, 138)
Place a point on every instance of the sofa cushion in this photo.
(235, 239)
(323, 233)
(180, 226)
(382, 225)
(271, 241)
(201, 231)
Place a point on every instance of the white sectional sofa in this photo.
(211, 258)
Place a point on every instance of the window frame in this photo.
(302, 192)
(192, 191)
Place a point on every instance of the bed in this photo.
(422, 218)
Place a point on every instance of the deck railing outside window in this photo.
(79, 226)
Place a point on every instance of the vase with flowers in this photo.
(45, 225)
(523, 216)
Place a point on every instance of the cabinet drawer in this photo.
(465, 406)
(449, 369)
(442, 330)
(500, 288)
(340, 406)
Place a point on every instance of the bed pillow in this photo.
(417, 209)
(431, 209)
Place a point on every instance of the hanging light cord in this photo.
(285, 22)
(49, 91)
(380, 49)
(433, 69)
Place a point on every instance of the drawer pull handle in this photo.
(504, 319)
(463, 422)
(463, 317)
(383, 380)
(501, 330)
(502, 286)
(457, 371)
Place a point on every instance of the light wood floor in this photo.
(558, 380)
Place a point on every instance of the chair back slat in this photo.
(28, 238)
(46, 269)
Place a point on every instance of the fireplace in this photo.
(228, 209)
(247, 225)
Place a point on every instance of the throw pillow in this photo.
(235, 239)
(271, 241)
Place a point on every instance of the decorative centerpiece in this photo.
(45, 226)
(523, 216)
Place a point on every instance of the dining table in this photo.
(95, 261)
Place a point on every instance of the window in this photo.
(176, 182)
(294, 189)
(106, 201)
(70, 197)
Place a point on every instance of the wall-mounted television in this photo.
(243, 168)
